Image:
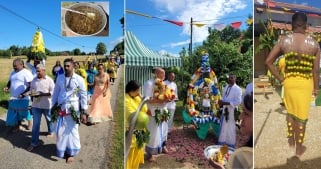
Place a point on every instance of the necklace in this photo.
(228, 90)
(67, 86)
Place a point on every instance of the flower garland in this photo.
(161, 115)
(56, 111)
(142, 137)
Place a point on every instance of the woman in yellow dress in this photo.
(302, 59)
(82, 72)
(111, 67)
(137, 147)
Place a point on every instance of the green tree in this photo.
(101, 48)
(76, 51)
(225, 56)
(25, 50)
(229, 34)
(119, 48)
(15, 50)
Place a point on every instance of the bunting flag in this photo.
(236, 25)
(286, 9)
(219, 27)
(137, 13)
(249, 21)
(178, 23)
(199, 24)
(270, 4)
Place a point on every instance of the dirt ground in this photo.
(95, 141)
(186, 150)
(271, 149)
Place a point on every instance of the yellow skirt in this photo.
(298, 97)
(135, 156)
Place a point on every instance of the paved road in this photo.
(271, 147)
(94, 142)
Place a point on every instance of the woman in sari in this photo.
(301, 81)
(100, 106)
(132, 101)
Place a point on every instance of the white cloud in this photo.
(164, 53)
(172, 45)
(113, 43)
(205, 11)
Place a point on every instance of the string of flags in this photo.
(275, 5)
(219, 26)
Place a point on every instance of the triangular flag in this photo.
(178, 23)
(236, 25)
(270, 4)
(286, 9)
(249, 21)
(219, 27)
(199, 24)
(136, 13)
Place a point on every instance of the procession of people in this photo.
(63, 100)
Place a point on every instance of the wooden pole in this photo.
(191, 40)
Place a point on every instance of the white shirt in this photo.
(69, 91)
(249, 89)
(233, 95)
(172, 85)
(45, 85)
(19, 82)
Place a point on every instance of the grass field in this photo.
(6, 68)
(116, 152)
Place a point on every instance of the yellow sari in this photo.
(136, 155)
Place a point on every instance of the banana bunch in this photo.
(220, 154)
(37, 46)
(38, 43)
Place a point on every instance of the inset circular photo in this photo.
(84, 19)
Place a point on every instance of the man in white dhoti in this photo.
(232, 97)
(71, 97)
(158, 132)
(171, 106)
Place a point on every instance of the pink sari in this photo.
(100, 105)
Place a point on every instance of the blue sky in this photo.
(165, 37)
(47, 14)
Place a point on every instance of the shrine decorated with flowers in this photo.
(202, 109)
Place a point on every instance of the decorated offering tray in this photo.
(218, 153)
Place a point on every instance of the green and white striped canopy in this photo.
(137, 54)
